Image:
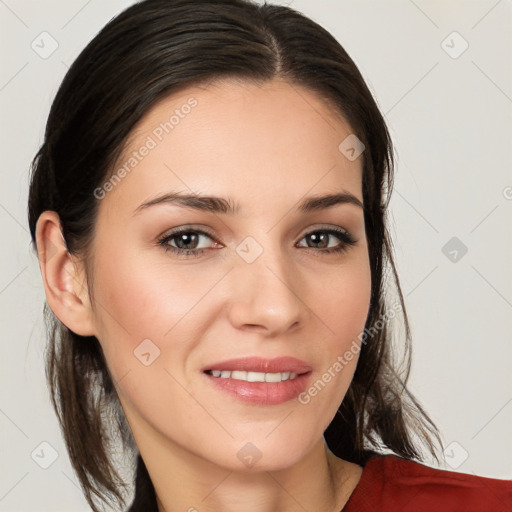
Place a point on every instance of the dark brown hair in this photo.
(153, 49)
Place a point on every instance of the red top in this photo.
(392, 484)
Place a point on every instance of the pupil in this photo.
(185, 239)
(321, 239)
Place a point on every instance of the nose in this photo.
(265, 295)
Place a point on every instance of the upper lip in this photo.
(260, 364)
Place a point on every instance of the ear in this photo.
(63, 277)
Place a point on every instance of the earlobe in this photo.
(63, 277)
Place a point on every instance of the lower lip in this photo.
(264, 393)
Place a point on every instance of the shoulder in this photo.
(390, 483)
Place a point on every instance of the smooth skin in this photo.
(267, 148)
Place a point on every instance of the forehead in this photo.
(241, 139)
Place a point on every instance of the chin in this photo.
(261, 454)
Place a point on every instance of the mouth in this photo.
(283, 365)
(254, 376)
(260, 381)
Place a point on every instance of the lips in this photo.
(259, 364)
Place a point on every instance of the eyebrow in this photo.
(216, 204)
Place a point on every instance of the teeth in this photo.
(253, 376)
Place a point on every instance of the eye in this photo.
(322, 239)
(193, 242)
(187, 242)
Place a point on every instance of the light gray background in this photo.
(451, 121)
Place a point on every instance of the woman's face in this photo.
(273, 278)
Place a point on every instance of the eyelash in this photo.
(344, 236)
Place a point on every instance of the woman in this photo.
(209, 209)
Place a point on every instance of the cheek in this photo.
(144, 314)
(139, 300)
(345, 310)
(143, 297)
(343, 301)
